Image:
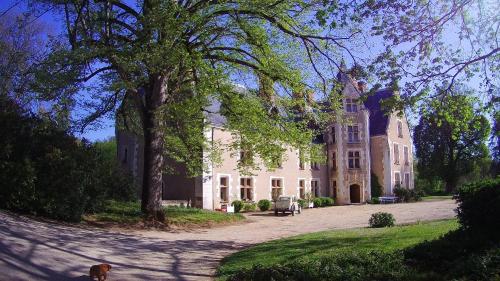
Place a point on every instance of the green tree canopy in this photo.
(450, 137)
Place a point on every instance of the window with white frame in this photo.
(406, 155)
(397, 178)
(396, 153)
(407, 180)
(353, 133)
(351, 105)
(353, 159)
(246, 189)
(276, 188)
(315, 188)
(302, 188)
(400, 129)
(224, 189)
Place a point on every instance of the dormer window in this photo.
(351, 105)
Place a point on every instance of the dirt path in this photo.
(32, 250)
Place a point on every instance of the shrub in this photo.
(381, 219)
(457, 255)
(402, 193)
(326, 201)
(238, 205)
(317, 202)
(343, 266)
(264, 204)
(302, 203)
(249, 207)
(479, 206)
(374, 200)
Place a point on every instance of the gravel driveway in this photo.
(33, 250)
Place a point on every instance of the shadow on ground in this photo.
(33, 250)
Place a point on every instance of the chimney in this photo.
(362, 86)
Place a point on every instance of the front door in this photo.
(355, 193)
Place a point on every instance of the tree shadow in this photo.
(34, 250)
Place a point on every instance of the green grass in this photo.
(437, 197)
(314, 245)
(130, 213)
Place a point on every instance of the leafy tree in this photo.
(168, 60)
(449, 138)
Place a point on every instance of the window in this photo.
(397, 178)
(302, 189)
(396, 154)
(334, 161)
(332, 134)
(351, 105)
(400, 129)
(314, 165)
(276, 188)
(301, 160)
(405, 151)
(224, 189)
(315, 188)
(246, 189)
(407, 180)
(353, 133)
(353, 158)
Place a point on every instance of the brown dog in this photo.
(99, 271)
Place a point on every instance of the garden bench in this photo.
(388, 199)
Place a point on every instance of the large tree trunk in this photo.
(154, 161)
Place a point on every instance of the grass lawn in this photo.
(314, 245)
(437, 197)
(129, 213)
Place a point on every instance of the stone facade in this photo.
(367, 142)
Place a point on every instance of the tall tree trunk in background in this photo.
(154, 161)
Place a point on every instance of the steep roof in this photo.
(378, 117)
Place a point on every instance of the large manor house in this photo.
(373, 142)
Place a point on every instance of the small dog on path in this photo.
(100, 271)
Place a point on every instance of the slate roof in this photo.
(378, 117)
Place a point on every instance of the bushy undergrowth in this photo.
(46, 171)
(407, 195)
(344, 266)
(381, 219)
(479, 207)
(323, 202)
(249, 207)
(238, 205)
(264, 204)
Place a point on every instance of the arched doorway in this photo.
(355, 192)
